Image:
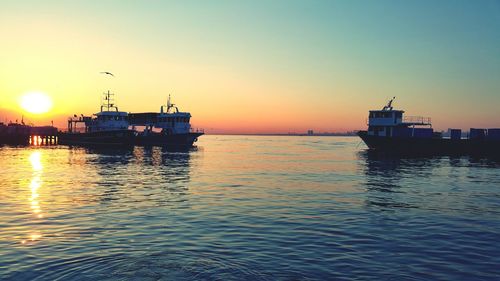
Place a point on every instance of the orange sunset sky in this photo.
(255, 66)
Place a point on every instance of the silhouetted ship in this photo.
(390, 131)
(169, 128)
(14, 134)
(109, 127)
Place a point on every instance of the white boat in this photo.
(109, 127)
(169, 128)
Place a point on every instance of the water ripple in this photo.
(247, 208)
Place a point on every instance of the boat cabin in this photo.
(171, 121)
(389, 122)
(108, 119)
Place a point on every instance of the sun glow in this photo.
(36, 102)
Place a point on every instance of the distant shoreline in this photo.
(288, 135)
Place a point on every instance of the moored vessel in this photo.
(169, 128)
(390, 131)
(109, 127)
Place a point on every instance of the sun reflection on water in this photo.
(35, 159)
(35, 185)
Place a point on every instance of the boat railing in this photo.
(417, 120)
(197, 130)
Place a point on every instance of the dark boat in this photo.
(389, 131)
(102, 138)
(14, 134)
(169, 128)
(162, 139)
(109, 127)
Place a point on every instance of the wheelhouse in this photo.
(108, 119)
(389, 122)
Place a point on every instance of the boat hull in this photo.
(180, 141)
(431, 146)
(115, 138)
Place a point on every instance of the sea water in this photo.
(247, 208)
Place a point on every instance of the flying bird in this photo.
(108, 73)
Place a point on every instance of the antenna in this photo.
(170, 104)
(107, 100)
(389, 104)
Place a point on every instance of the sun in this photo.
(36, 102)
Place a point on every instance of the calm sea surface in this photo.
(247, 208)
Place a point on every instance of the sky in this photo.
(256, 66)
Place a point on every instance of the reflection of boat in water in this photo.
(173, 128)
(389, 131)
(109, 127)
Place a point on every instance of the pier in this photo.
(20, 134)
(43, 135)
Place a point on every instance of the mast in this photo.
(108, 101)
